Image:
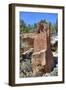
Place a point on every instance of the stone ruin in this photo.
(42, 57)
(39, 44)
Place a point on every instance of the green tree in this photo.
(44, 21)
(56, 26)
(23, 27)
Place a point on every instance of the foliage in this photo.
(24, 28)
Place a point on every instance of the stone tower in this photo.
(42, 58)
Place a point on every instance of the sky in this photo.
(34, 17)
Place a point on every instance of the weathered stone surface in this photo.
(42, 58)
(40, 42)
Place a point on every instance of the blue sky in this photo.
(34, 17)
